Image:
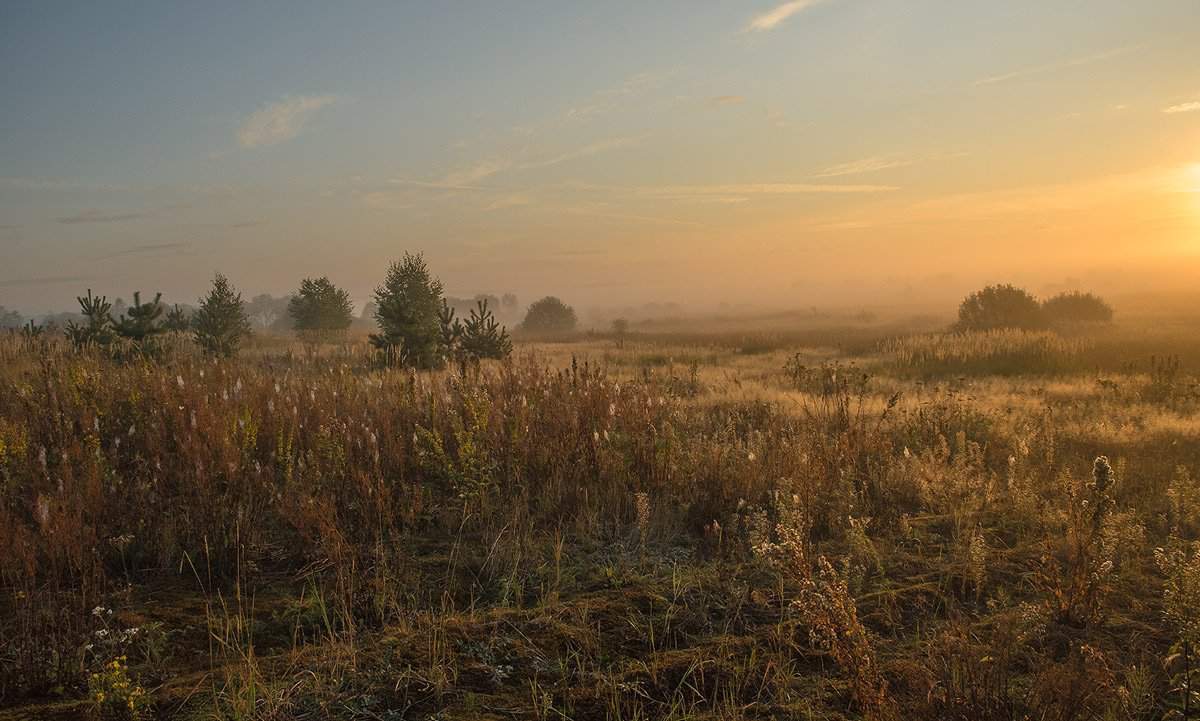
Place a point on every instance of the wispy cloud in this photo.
(720, 100)
(48, 280)
(98, 216)
(608, 99)
(864, 165)
(379, 200)
(1183, 107)
(280, 121)
(1052, 67)
(747, 189)
(510, 200)
(603, 211)
(148, 248)
(776, 15)
(21, 183)
(467, 178)
(582, 152)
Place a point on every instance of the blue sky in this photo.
(605, 152)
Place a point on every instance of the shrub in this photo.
(321, 307)
(10, 319)
(1075, 308)
(549, 316)
(409, 305)
(1000, 306)
(620, 329)
(220, 324)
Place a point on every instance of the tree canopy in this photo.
(1075, 307)
(320, 306)
(1000, 306)
(549, 316)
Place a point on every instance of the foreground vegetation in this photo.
(973, 526)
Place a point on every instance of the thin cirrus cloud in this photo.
(746, 189)
(1183, 108)
(1052, 67)
(98, 216)
(279, 121)
(775, 16)
(865, 165)
(148, 248)
(48, 280)
(720, 100)
(466, 178)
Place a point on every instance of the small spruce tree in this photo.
(97, 326)
(141, 321)
(482, 336)
(220, 324)
(409, 313)
(177, 320)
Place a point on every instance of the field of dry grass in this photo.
(683, 525)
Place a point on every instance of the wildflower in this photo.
(642, 504)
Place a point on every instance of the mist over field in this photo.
(818, 359)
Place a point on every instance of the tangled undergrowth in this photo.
(309, 536)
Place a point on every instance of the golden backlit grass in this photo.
(697, 528)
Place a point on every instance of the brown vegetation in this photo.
(590, 532)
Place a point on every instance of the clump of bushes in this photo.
(999, 307)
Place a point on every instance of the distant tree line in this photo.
(1007, 306)
(418, 325)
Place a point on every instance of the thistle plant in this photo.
(1078, 592)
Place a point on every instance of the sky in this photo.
(755, 153)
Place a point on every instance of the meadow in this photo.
(858, 520)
